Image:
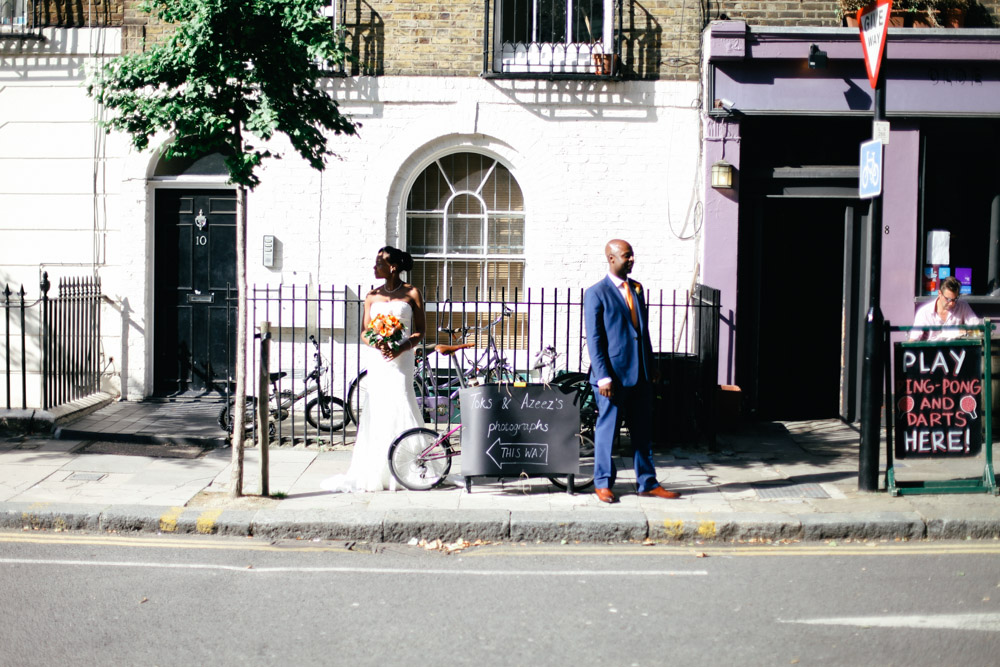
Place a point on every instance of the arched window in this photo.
(465, 228)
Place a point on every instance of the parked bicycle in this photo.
(420, 458)
(324, 412)
(434, 395)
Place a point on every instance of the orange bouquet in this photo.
(385, 331)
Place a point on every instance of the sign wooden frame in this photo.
(903, 400)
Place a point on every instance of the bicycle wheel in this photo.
(225, 418)
(585, 477)
(420, 459)
(249, 419)
(357, 396)
(578, 386)
(326, 413)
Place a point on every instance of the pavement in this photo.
(164, 467)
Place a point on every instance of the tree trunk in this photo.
(236, 481)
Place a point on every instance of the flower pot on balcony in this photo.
(951, 17)
(604, 64)
(917, 19)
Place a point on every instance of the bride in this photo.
(391, 406)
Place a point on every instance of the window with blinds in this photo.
(465, 229)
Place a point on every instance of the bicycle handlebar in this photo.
(466, 330)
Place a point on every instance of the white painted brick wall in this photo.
(594, 161)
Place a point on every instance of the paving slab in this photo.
(762, 482)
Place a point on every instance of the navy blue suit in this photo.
(624, 354)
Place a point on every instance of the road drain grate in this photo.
(780, 491)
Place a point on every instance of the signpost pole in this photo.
(871, 370)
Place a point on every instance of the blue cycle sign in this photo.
(870, 170)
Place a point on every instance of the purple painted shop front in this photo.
(759, 78)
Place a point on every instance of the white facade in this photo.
(594, 160)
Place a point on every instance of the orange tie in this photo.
(631, 304)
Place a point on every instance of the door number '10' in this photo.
(201, 239)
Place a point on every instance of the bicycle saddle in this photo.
(452, 349)
(274, 377)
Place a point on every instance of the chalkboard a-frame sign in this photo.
(939, 399)
(509, 430)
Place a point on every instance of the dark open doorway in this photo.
(797, 352)
(802, 259)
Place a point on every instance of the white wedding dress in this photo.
(389, 408)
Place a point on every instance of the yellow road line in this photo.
(165, 542)
(507, 548)
(754, 550)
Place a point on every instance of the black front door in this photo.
(195, 263)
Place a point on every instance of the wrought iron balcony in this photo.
(553, 39)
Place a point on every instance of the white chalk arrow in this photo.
(500, 460)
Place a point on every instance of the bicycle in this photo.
(432, 396)
(325, 412)
(420, 458)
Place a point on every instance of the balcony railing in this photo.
(519, 42)
(16, 21)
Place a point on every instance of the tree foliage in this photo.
(229, 67)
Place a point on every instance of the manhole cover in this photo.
(86, 477)
(140, 449)
(779, 491)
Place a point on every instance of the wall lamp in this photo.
(817, 58)
(722, 175)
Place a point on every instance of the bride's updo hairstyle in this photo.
(397, 257)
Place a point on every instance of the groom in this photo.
(622, 370)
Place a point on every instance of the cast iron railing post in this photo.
(24, 356)
(6, 330)
(45, 336)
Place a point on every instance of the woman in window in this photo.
(393, 329)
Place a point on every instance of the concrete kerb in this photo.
(865, 526)
(604, 526)
(34, 420)
(955, 528)
(400, 526)
(446, 525)
(50, 516)
(139, 518)
(722, 527)
(318, 524)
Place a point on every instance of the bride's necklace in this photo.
(395, 289)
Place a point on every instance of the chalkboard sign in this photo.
(507, 430)
(939, 399)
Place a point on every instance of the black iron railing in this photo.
(684, 329)
(51, 346)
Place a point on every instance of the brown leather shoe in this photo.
(605, 495)
(659, 492)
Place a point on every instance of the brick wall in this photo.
(78, 14)
(660, 38)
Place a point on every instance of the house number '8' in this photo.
(201, 239)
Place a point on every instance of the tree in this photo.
(228, 69)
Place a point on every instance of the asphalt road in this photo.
(77, 599)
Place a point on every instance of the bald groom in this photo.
(622, 371)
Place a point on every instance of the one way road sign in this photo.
(873, 22)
